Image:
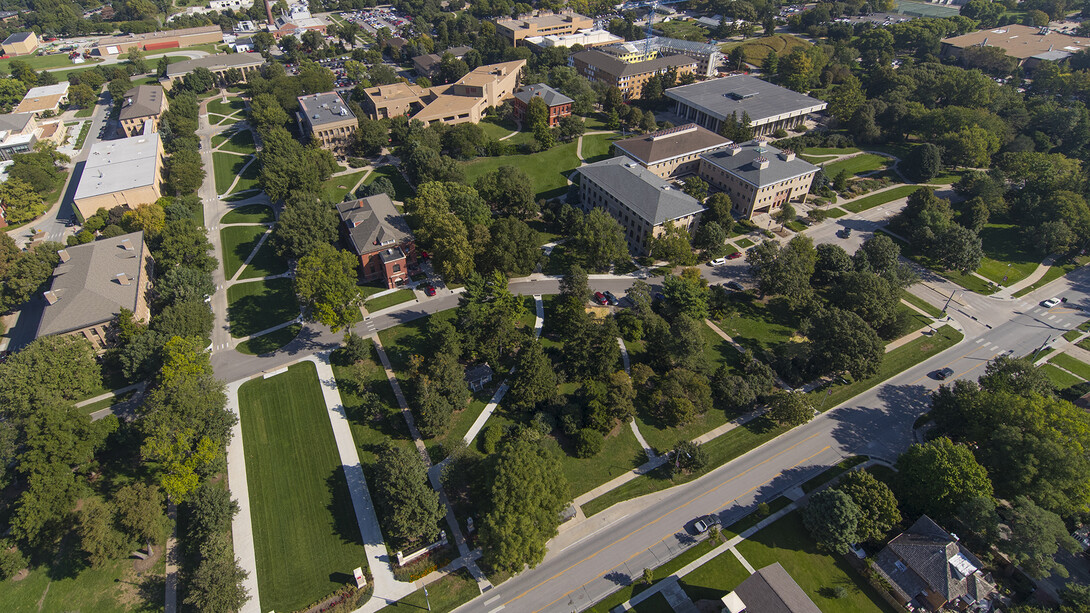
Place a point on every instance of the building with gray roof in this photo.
(328, 120)
(641, 201)
(758, 177)
(142, 103)
(674, 152)
(769, 107)
(91, 285)
(124, 172)
(629, 77)
(380, 236)
(558, 104)
(769, 590)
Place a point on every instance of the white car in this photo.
(717, 262)
(1051, 302)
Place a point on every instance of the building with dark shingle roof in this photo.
(142, 103)
(248, 64)
(91, 285)
(20, 43)
(929, 568)
(674, 152)
(558, 104)
(641, 201)
(628, 77)
(380, 236)
(768, 106)
(758, 177)
(769, 590)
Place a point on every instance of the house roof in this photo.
(42, 98)
(428, 61)
(142, 101)
(744, 162)
(772, 590)
(618, 68)
(373, 223)
(458, 52)
(87, 288)
(116, 165)
(549, 95)
(15, 122)
(17, 37)
(642, 191)
(324, 108)
(761, 100)
(478, 372)
(1020, 41)
(671, 143)
(215, 62)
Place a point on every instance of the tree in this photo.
(534, 382)
(790, 409)
(183, 284)
(570, 128)
(1016, 376)
(673, 245)
(588, 443)
(81, 96)
(305, 224)
(537, 113)
(958, 248)
(100, 541)
(528, 490)
(832, 519)
(11, 92)
(711, 238)
(786, 270)
(509, 191)
(687, 294)
(51, 367)
(140, 512)
(877, 505)
(1035, 536)
(183, 243)
(832, 262)
(21, 201)
(439, 390)
(188, 318)
(845, 98)
(923, 162)
(598, 242)
(687, 457)
(513, 247)
(970, 146)
(216, 584)
(878, 254)
(938, 477)
(325, 282)
(840, 341)
(872, 298)
(146, 218)
(406, 502)
(180, 457)
(696, 187)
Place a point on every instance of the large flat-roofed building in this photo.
(460, 102)
(91, 285)
(153, 41)
(542, 24)
(707, 56)
(641, 201)
(327, 120)
(380, 236)
(587, 38)
(43, 99)
(758, 177)
(123, 172)
(1023, 43)
(558, 104)
(629, 77)
(247, 63)
(142, 103)
(20, 43)
(674, 152)
(769, 106)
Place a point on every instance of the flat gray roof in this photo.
(116, 165)
(15, 122)
(215, 62)
(742, 162)
(641, 190)
(324, 108)
(761, 100)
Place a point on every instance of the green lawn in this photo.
(547, 169)
(1008, 258)
(686, 30)
(830, 151)
(259, 305)
(404, 340)
(1071, 335)
(758, 326)
(970, 282)
(1071, 364)
(44, 62)
(920, 303)
(114, 586)
(864, 162)
(620, 454)
(754, 517)
(250, 213)
(240, 142)
(832, 472)
(227, 167)
(787, 542)
(715, 578)
(394, 298)
(84, 129)
(596, 147)
(444, 595)
(665, 570)
(744, 243)
(656, 603)
(335, 188)
(105, 404)
(305, 532)
(268, 343)
(874, 200)
(1054, 272)
(908, 320)
(836, 212)
(496, 130)
(250, 177)
(232, 106)
(238, 244)
(755, 50)
(266, 263)
(401, 186)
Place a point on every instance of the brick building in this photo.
(758, 177)
(558, 104)
(674, 152)
(628, 77)
(380, 236)
(327, 120)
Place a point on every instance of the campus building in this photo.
(758, 177)
(1027, 44)
(674, 152)
(769, 107)
(20, 43)
(142, 103)
(708, 56)
(248, 64)
(460, 102)
(43, 99)
(155, 41)
(125, 172)
(296, 21)
(327, 120)
(587, 38)
(558, 104)
(20, 131)
(542, 24)
(628, 77)
(380, 236)
(641, 201)
(92, 283)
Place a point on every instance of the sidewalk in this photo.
(1035, 276)
(242, 530)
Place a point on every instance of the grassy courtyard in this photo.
(596, 147)
(265, 263)
(259, 305)
(868, 202)
(251, 213)
(305, 532)
(238, 244)
(335, 188)
(239, 142)
(548, 169)
(268, 343)
(755, 50)
(226, 167)
(386, 301)
(1008, 258)
(401, 187)
(715, 579)
(864, 162)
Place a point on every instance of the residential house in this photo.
(758, 177)
(478, 376)
(674, 152)
(769, 590)
(380, 236)
(558, 104)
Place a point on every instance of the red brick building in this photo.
(377, 233)
(559, 104)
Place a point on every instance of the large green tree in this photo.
(325, 282)
(938, 477)
(878, 511)
(534, 382)
(407, 504)
(305, 223)
(832, 519)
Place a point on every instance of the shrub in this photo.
(11, 559)
(648, 576)
(356, 349)
(763, 509)
(492, 435)
(588, 443)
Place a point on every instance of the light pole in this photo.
(1039, 349)
(426, 598)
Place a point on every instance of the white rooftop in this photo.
(117, 165)
(58, 89)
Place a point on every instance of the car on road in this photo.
(1051, 302)
(705, 522)
(717, 262)
(610, 298)
(429, 290)
(600, 298)
(734, 285)
(845, 233)
(943, 373)
(735, 255)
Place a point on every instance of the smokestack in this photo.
(268, 12)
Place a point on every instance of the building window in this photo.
(397, 267)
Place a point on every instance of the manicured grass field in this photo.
(620, 454)
(758, 326)
(686, 30)
(240, 142)
(754, 517)
(266, 263)
(219, 107)
(874, 200)
(715, 579)
(402, 341)
(401, 186)
(864, 162)
(836, 212)
(44, 62)
(830, 151)
(305, 532)
(334, 188)
(227, 167)
(908, 320)
(787, 542)
(444, 595)
(968, 281)
(665, 570)
(386, 301)
(744, 243)
(921, 304)
(546, 169)
(250, 213)
(496, 130)
(268, 343)
(596, 147)
(1070, 364)
(1054, 272)
(259, 305)
(755, 51)
(114, 586)
(238, 244)
(1008, 260)
(250, 177)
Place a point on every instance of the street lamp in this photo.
(426, 598)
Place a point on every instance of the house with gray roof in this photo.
(142, 103)
(769, 107)
(769, 590)
(929, 568)
(92, 283)
(558, 104)
(641, 201)
(758, 177)
(673, 152)
(376, 232)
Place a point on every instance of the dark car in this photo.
(735, 255)
(429, 290)
(845, 233)
(942, 373)
(734, 285)
(610, 298)
(600, 298)
(702, 524)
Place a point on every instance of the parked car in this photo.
(1051, 302)
(943, 373)
(429, 290)
(734, 285)
(735, 255)
(717, 262)
(610, 298)
(703, 523)
(845, 233)
(600, 298)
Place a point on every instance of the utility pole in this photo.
(426, 598)
(1039, 349)
(947, 307)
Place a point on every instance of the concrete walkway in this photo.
(387, 588)
(647, 449)
(242, 531)
(1033, 277)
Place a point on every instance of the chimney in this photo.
(51, 297)
(787, 155)
(127, 245)
(64, 255)
(122, 278)
(268, 13)
(761, 162)
(734, 149)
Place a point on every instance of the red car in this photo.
(600, 298)
(735, 255)
(429, 290)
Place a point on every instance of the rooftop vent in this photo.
(733, 149)
(122, 278)
(64, 255)
(51, 297)
(126, 244)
